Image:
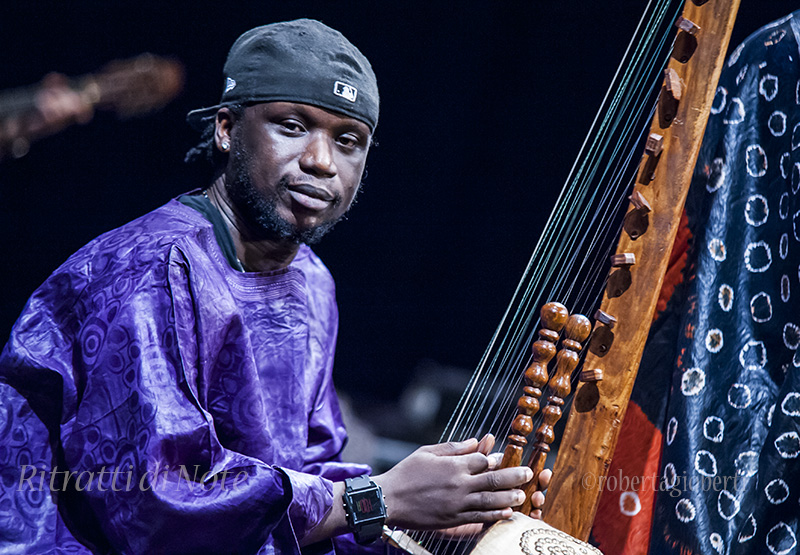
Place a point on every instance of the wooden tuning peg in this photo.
(637, 220)
(605, 318)
(624, 259)
(652, 149)
(670, 98)
(640, 202)
(686, 41)
(594, 375)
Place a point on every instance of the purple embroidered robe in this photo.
(152, 399)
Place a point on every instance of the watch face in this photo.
(366, 505)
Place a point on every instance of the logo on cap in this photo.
(348, 92)
(229, 84)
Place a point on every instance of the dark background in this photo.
(484, 107)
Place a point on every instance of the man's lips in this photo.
(310, 197)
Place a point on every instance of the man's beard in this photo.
(260, 212)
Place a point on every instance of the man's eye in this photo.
(291, 125)
(348, 141)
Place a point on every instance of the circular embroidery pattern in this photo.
(717, 249)
(768, 86)
(685, 510)
(784, 246)
(714, 429)
(739, 396)
(785, 288)
(736, 112)
(748, 529)
(714, 340)
(777, 123)
(670, 476)
(781, 539)
(756, 161)
(720, 99)
(629, 503)
(716, 178)
(786, 160)
(777, 491)
(756, 210)
(727, 505)
(725, 297)
(757, 257)
(753, 355)
(788, 445)
(705, 463)
(790, 406)
(791, 336)
(716, 542)
(693, 381)
(672, 429)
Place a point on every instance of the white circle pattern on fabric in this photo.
(795, 178)
(736, 112)
(783, 206)
(756, 210)
(757, 257)
(796, 136)
(735, 55)
(717, 249)
(716, 542)
(746, 464)
(705, 463)
(748, 530)
(790, 406)
(753, 355)
(777, 491)
(761, 307)
(791, 336)
(725, 297)
(714, 341)
(670, 476)
(768, 86)
(741, 74)
(714, 429)
(739, 396)
(786, 159)
(797, 93)
(717, 176)
(629, 503)
(770, 412)
(672, 429)
(785, 288)
(692, 382)
(777, 123)
(756, 160)
(781, 539)
(783, 250)
(685, 510)
(720, 99)
(727, 505)
(788, 445)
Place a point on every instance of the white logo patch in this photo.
(348, 92)
(229, 84)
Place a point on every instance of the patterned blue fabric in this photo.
(731, 456)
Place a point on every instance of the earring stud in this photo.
(225, 146)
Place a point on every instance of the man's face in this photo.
(294, 169)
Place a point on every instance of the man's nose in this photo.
(318, 157)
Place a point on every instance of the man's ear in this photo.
(223, 128)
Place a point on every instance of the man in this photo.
(168, 389)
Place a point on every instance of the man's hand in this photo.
(451, 484)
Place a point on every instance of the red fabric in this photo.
(633, 469)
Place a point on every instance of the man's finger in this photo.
(502, 479)
(486, 444)
(453, 447)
